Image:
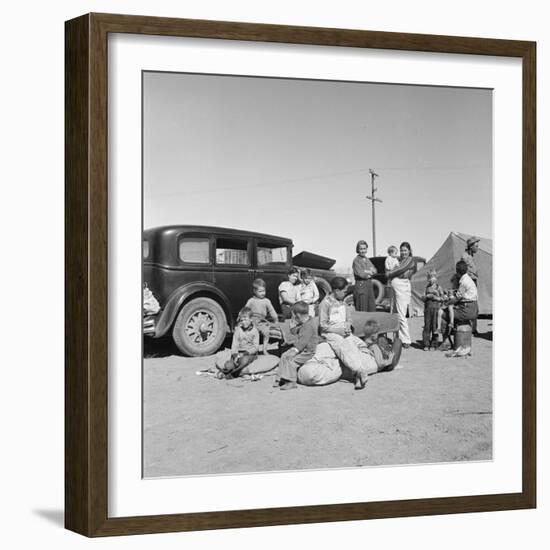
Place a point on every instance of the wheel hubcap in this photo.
(201, 327)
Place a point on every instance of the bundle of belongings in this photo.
(150, 303)
(150, 308)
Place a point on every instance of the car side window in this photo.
(232, 251)
(271, 254)
(194, 250)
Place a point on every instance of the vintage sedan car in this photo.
(202, 276)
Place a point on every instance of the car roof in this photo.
(167, 229)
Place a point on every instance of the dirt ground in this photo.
(433, 409)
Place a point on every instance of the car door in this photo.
(272, 262)
(233, 270)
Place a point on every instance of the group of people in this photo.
(400, 267)
(445, 308)
(442, 308)
(258, 317)
(322, 348)
(300, 287)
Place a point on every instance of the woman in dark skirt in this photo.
(363, 270)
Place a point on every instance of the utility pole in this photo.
(372, 197)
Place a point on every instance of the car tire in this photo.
(200, 327)
(323, 287)
(379, 291)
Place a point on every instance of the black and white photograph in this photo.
(317, 274)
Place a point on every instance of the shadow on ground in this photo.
(485, 336)
(430, 409)
(57, 517)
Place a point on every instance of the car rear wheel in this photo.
(200, 327)
(323, 287)
(379, 294)
(379, 291)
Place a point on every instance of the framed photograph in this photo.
(292, 283)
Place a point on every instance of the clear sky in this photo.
(291, 158)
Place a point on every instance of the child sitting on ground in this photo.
(433, 300)
(304, 339)
(308, 291)
(244, 349)
(262, 311)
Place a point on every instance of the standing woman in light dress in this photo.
(400, 279)
(363, 270)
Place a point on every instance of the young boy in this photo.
(308, 291)
(244, 348)
(304, 340)
(392, 261)
(262, 311)
(433, 299)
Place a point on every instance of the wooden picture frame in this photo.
(86, 410)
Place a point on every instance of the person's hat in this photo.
(472, 240)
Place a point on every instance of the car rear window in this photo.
(232, 252)
(194, 250)
(272, 254)
(145, 248)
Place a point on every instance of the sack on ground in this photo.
(150, 303)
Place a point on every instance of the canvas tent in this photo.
(444, 261)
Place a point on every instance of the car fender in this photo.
(181, 295)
